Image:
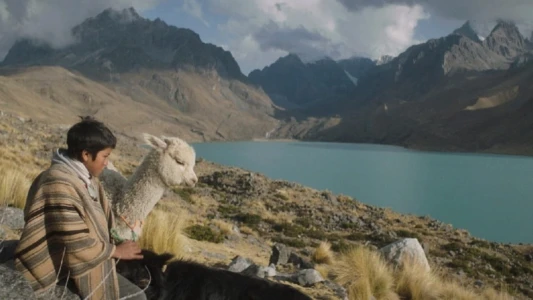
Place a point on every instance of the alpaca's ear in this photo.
(154, 141)
(166, 139)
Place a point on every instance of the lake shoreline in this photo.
(409, 181)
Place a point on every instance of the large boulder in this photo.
(239, 264)
(309, 277)
(12, 217)
(13, 285)
(280, 254)
(408, 249)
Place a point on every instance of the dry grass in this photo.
(453, 291)
(247, 230)
(14, 186)
(225, 227)
(323, 254)
(162, 232)
(364, 274)
(492, 294)
(414, 282)
(324, 270)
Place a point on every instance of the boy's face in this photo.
(96, 165)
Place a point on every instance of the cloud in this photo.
(194, 8)
(52, 20)
(309, 45)
(482, 10)
(312, 29)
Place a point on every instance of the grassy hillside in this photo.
(236, 212)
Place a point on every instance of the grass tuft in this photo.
(323, 254)
(162, 232)
(364, 274)
(14, 186)
(414, 282)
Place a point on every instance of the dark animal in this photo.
(186, 280)
(146, 273)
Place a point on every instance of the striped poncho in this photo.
(67, 235)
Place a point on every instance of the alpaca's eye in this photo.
(180, 162)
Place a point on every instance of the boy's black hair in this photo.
(89, 135)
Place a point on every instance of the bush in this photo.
(356, 236)
(454, 246)
(185, 194)
(228, 210)
(204, 233)
(316, 234)
(480, 243)
(407, 234)
(340, 246)
(303, 221)
(288, 229)
(249, 219)
(289, 242)
(281, 196)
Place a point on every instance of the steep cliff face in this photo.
(292, 83)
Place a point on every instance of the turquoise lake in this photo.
(488, 195)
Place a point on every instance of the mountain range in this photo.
(191, 88)
(458, 92)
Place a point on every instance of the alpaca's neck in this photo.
(142, 191)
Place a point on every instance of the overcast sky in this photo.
(257, 32)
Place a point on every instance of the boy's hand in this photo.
(128, 250)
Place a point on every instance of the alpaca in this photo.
(170, 163)
(187, 280)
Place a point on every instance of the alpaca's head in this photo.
(175, 160)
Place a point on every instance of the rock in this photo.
(254, 271)
(217, 256)
(426, 248)
(12, 217)
(478, 283)
(328, 196)
(7, 250)
(280, 254)
(299, 262)
(287, 277)
(59, 292)
(308, 277)
(339, 290)
(13, 285)
(270, 271)
(529, 257)
(408, 248)
(239, 264)
(7, 234)
(259, 271)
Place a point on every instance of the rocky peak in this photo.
(384, 59)
(467, 31)
(506, 40)
(123, 41)
(125, 15)
(357, 66)
(290, 59)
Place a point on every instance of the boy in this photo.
(67, 222)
